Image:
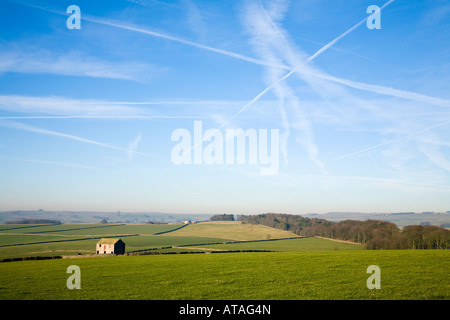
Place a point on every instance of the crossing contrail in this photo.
(333, 42)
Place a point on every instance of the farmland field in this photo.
(233, 230)
(407, 274)
(78, 239)
(299, 268)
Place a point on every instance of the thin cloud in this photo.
(58, 107)
(151, 3)
(33, 60)
(385, 182)
(64, 164)
(21, 126)
(103, 117)
(64, 106)
(387, 91)
(133, 146)
(379, 145)
(130, 27)
(272, 45)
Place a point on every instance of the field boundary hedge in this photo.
(68, 240)
(30, 258)
(172, 230)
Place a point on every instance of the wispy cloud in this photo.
(415, 134)
(58, 107)
(272, 45)
(131, 27)
(57, 163)
(34, 60)
(21, 126)
(152, 3)
(393, 183)
(195, 19)
(64, 106)
(133, 146)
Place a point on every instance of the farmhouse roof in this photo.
(108, 241)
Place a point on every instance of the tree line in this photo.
(222, 217)
(373, 234)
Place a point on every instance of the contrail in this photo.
(408, 95)
(102, 117)
(331, 43)
(158, 35)
(133, 146)
(315, 55)
(387, 142)
(22, 126)
(51, 162)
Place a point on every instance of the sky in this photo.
(110, 116)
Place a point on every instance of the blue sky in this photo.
(86, 116)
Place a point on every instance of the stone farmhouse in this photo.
(110, 246)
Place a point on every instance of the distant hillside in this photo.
(96, 216)
(401, 219)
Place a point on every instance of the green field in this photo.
(232, 230)
(72, 239)
(288, 245)
(300, 268)
(79, 239)
(408, 274)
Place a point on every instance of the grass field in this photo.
(301, 268)
(72, 239)
(232, 230)
(407, 274)
(288, 245)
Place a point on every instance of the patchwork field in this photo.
(301, 268)
(79, 239)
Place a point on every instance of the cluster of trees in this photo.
(222, 217)
(373, 234)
